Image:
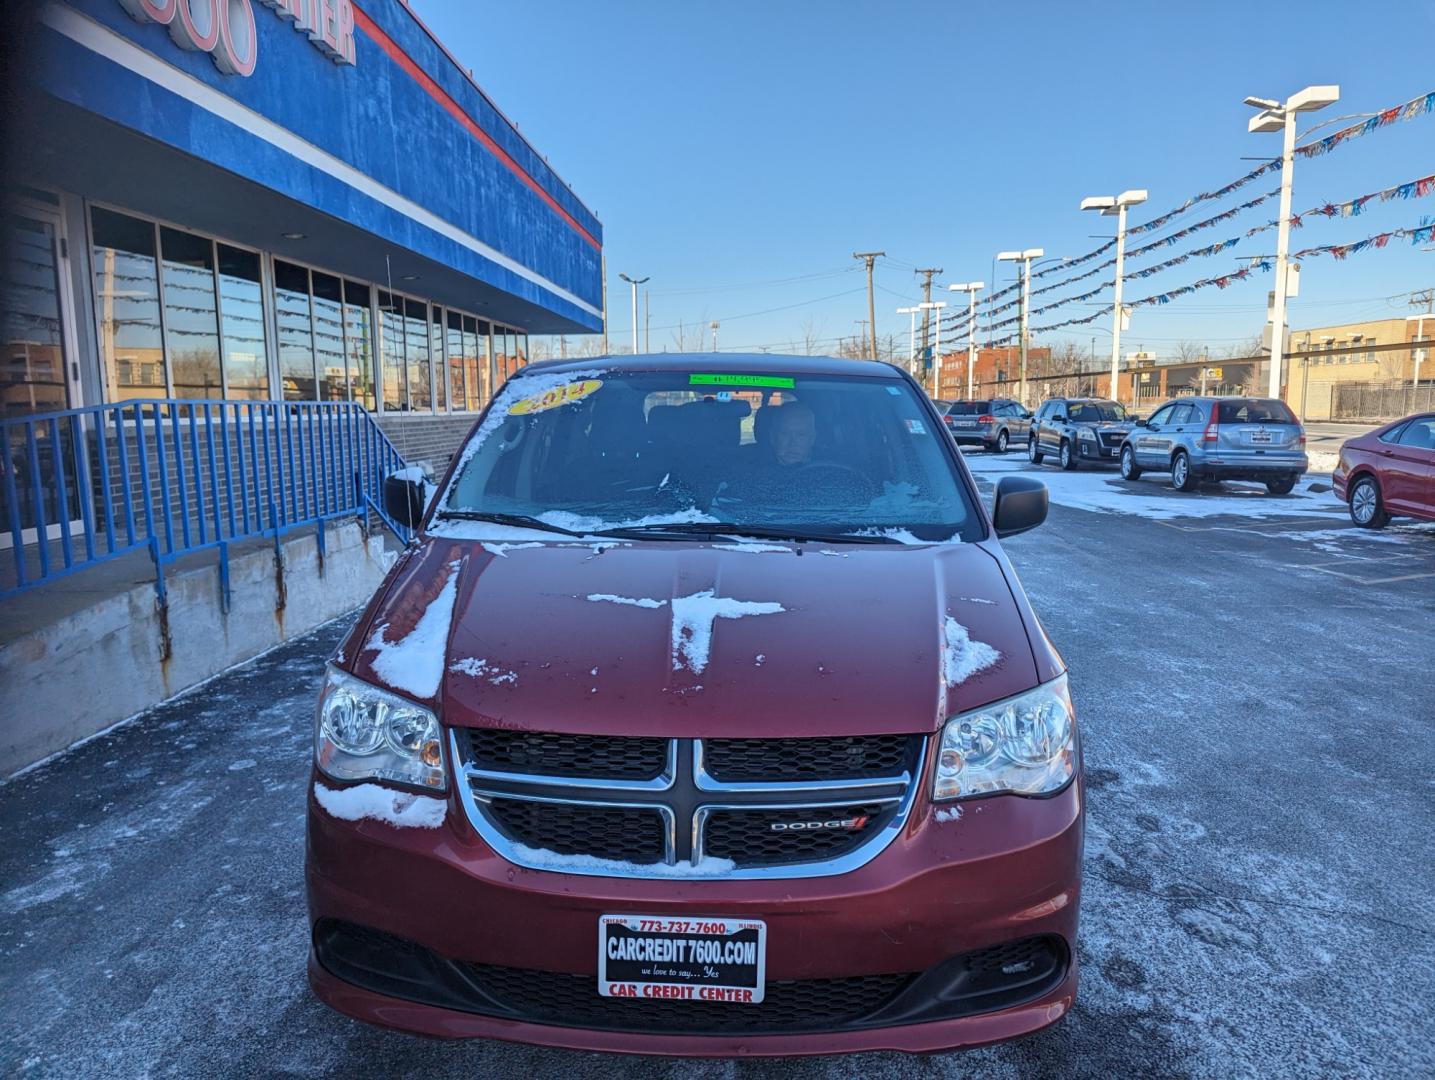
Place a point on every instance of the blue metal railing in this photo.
(174, 476)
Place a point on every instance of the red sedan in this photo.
(1389, 472)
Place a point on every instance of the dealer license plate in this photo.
(670, 959)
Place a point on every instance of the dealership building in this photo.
(298, 200)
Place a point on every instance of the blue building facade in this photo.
(275, 199)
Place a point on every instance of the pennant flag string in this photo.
(1419, 106)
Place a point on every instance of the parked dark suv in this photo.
(704, 715)
(1077, 430)
(993, 423)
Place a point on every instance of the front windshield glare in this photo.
(597, 450)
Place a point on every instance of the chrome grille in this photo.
(687, 807)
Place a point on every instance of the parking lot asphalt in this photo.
(1253, 680)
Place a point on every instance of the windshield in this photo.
(1095, 412)
(596, 450)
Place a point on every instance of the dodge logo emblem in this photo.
(805, 826)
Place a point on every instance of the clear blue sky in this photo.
(727, 146)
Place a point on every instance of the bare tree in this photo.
(811, 334)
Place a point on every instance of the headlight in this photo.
(364, 733)
(1025, 744)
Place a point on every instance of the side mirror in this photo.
(1027, 415)
(1140, 423)
(1021, 504)
(1058, 419)
(404, 500)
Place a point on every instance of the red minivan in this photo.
(1389, 472)
(704, 716)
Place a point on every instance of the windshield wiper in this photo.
(519, 520)
(763, 532)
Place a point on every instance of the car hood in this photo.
(699, 639)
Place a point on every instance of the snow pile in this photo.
(630, 601)
(902, 536)
(962, 657)
(400, 809)
(755, 547)
(482, 669)
(502, 550)
(1323, 461)
(544, 859)
(414, 663)
(950, 814)
(693, 618)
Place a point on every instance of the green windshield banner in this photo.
(781, 382)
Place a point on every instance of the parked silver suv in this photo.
(994, 423)
(1218, 438)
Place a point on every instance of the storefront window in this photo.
(391, 316)
(357, 330)
(127, 303)
(32, 378)
(480, 387)
(296, 331)
(436, 343)
(329, 336)
(416, 351)
(456, 367)
(241, 320)
(191, 314)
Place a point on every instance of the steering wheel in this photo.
(834, 467)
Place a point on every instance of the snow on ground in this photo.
(1323, 461)
(961, 656)
(414, 663)
(693, 618)
(1101, 490)
(397, 808)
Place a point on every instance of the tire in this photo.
(1284, 486)
(1367, 509)
(1002, 442)
(1182, 477)
(1033, 454)
(1129, 469)
(1067, 456)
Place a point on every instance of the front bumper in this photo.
(1007, 871)
(1089, 450)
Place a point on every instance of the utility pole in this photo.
(912, 340)
(634, 283)
(1275, 116)
(647, 321)
(1025, 258)
(1416, 299)
(927, 276)
(870, 257)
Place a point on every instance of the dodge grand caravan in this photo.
(705, 715)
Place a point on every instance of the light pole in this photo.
(1277, 117)
(935, 307)
(1023, 257)
(912, 347)
(971, 288)
(714, 327)
(1116, 204)
(634, 283)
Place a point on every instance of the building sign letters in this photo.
(225, 28)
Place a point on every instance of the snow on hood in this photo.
(401, 809)
(861, 641)
(693, 618)
(414, 662)
(961, 656)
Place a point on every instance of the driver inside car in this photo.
(794, 431)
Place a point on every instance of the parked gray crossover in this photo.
(1077, 430)
(1218, 438)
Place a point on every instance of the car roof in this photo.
(721, 363)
